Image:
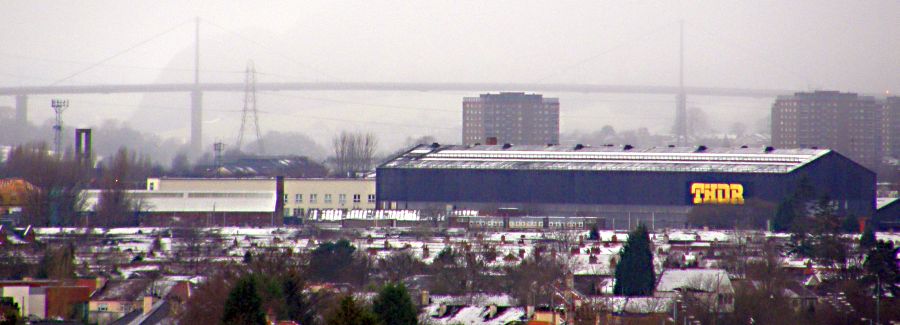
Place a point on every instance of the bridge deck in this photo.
(391, 86)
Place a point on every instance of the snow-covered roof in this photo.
(606, 158)
(502, 300)
(634, 305)
(708, 280)
(194, 201)
(885, 201)
(473, 315)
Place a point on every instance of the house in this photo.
(116, 299)
(47, 299)
(474, 309)
(709, 287)
(26, 294)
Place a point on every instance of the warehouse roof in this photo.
(606, 158)
(194, 201)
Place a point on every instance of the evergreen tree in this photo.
(595, 233)
(332, 261)
(296, 303)
(244, 305)
(634, 272)
(349, 312)
(867, 241)
(393, 306)
(9, 311)
(882, 269)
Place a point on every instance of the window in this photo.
(298, 198)
(371, 198)
(327, 198)
(296, 212)
(285, 199)
(102, 307)
(357, 198)
(342, 198)
(313, 198)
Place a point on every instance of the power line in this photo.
(123, 66)
(117, 54)
(265, 47)
(338, 101)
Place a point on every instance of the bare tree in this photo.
(115, 207)
(55, 199)
(354, 153)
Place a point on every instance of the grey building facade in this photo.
(845, 122)
(517, 118)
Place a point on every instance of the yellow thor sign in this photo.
(707, 193)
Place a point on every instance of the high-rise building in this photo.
(890, 127)
(845, 122)
(516, 118)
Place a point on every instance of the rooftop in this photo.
(885, 201)
(606, 158)
(194, 201)
(707, 280)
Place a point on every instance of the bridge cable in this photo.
(617, 47)
(277, 53)
(752, 53)
(117, 54)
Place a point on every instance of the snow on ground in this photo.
(126, 272)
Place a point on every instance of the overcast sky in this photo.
(801, 45)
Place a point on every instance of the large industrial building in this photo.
(302, 197)
(622, 185)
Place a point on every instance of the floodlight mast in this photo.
(59, 106)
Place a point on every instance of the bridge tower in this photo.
(681, 129)
(21, 110)
(197, 98)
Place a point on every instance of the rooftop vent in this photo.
(627, 147)
(701, 148)
(579, 146)
(671, 146)
(769, 149)
(507, 146)
(744, 147)
(477, 143)
(435, 145)
(814, 147)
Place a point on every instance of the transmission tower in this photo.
(250, 107)
(59, 106)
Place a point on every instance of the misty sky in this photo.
(801, 45)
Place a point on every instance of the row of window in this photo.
(327, 198)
